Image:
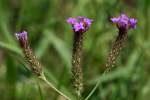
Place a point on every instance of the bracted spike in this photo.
(35, 66)
(76, 62)
(115, 51)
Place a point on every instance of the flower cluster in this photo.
(22, 38)
(80, 24)
(124, 22)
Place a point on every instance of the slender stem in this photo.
(42, 77)
(96, 86)
(40, 90)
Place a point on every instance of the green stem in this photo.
(96, 86)
(42, 77)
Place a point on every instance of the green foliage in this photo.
(51, 39)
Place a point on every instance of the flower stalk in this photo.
(80, 25)
(35, 65)
(123, 24)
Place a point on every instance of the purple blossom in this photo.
(80, 24)
(78, 27)
(124, 22)
(132, 23)
(71, 21)
(22, 38)
(21, 35)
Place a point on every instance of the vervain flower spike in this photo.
(123, 23)
(35, 66)
(79, 25)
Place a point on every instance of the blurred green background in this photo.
(51, 39)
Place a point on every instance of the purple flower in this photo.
(78, 27)
(124, 22)
(80, 24)
(132, 23)
(22, 38)
(71, 21)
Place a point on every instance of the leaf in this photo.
(10, 47)
(60, 47)
(42, 46)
